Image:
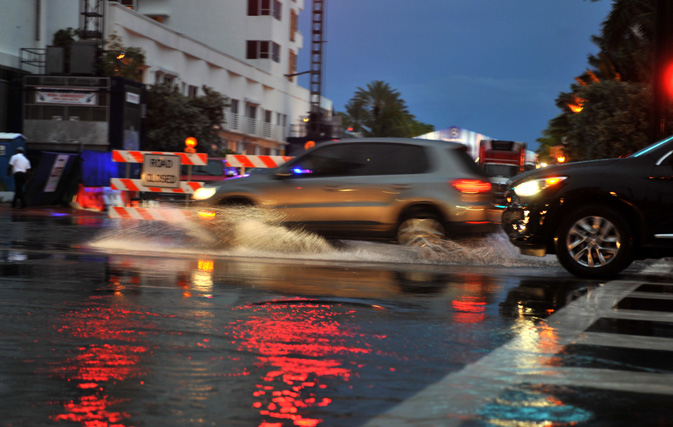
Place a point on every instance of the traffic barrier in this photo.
(160, 214)
(127, 184)
(128, 156)
(248, 161)
(112, 197)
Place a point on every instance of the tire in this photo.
(420, 229)
(594, 242)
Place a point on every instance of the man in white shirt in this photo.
(19, 167)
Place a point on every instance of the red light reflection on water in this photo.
(99, 364)
(469, 309)
(301, 345)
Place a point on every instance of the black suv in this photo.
(596, 216)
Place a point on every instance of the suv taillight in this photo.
(471, 185)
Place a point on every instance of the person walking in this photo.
(19, 165)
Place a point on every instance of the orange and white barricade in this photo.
(249, 161)
(126, 184)
(160, 214)
(137, 185)
(128, 156)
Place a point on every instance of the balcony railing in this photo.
(253, 127)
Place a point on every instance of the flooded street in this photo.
(127, 323)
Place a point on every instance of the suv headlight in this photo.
(204, 193)
(531, 188)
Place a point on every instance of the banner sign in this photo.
(66, 96)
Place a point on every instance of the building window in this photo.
(275, 50)
(277, 8)
(259, 49)
(267, 116)
(259, 7)
(233, 106)
(252, 111)
(252, 49)
(293, 24)
(265, 8)
(193, 91)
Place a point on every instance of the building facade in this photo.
(245, 49)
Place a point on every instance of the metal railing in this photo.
(254, 127)
(35, 58)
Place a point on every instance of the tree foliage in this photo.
(172, 117)
(116, 60)
(608, 110)
(122, 61)
(614, 122)
(379, 110)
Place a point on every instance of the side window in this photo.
(465, 159)
(328, 161)
(362, 160)
(396, 159)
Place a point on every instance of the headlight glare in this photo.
(204, 193)
(531, 188)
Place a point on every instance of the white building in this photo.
(244, 49)
(466, 137)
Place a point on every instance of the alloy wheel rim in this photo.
(420, 232)
(593, 242)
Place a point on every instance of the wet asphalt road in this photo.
(107, 322)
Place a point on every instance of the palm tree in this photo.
(380, 110)
(627, 40)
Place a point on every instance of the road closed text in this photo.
(161, 171)
(155, 178)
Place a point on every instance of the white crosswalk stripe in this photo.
(525, 359)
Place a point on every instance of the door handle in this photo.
(401, 186)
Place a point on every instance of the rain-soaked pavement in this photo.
(127, 323)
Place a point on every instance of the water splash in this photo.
(247, 231)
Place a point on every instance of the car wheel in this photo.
(594, 242)
(420, 230)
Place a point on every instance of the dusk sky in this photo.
(490, 66)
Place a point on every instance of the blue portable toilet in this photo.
(8, 145)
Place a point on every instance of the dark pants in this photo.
(19, 196)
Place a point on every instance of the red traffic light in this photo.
(668, 80)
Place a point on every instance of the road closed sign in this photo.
(161, 170)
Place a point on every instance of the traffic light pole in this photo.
(662, 93)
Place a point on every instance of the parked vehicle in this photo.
(596, 216)
(215, 170)
(500, 161)
(417, 191)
